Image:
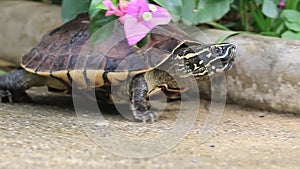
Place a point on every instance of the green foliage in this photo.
(95, 7)
(226, 36)
(101, 27)
(263, 13)
(292, 4)
(208, 10)
(260, 16)
(292, 22)
(196, 11)
(291, 35)
(173, 6)
(71, 8)
(188, 11)
(269, 9)
(265, 17)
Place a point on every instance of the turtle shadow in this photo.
(41, 97)
(62, 102)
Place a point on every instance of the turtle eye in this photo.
(217, 50)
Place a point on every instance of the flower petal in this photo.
(137, 6)
(111, 8)
(134, 30)
(139, 19)
(162, 13)
(109, 4)
(123, 6)
(160, 17)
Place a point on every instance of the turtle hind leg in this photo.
(13, 85)
(139, 102)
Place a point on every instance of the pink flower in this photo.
(141, 18)
(123, 6)
(281, 4)
(138, 17)
(112, 10)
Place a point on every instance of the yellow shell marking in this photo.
(78, 78)
(62, 74)
(95, 77)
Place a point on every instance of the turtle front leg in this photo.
(139, 102)
(13, 85)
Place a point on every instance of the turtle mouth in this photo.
(231, 56)
(233, 53)
(227, 62)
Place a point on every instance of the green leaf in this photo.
(144, 41)
(196, 11)
(226, 36)
(291, 35)
(103, 33)
(273, 34)
(115, 2)
(188, 12)
(291, 15)
(295, 26)
(95, 7)
(173, 6)
(102, 27)
(258, 1)
(71, 8)
(219, 26)
(208, 10)
(279, 26)
(292, 4)
(97, 4)
(269, 9)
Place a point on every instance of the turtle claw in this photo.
(10, 99)
(5, 95)
(14, 96)
(145, 116)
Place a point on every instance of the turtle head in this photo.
(202, 61)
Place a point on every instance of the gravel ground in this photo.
(47, 134)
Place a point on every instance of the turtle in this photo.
(64, 59)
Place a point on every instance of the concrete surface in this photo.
(47, 134)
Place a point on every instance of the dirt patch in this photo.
(47, 134)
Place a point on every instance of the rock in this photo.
(265, 75)
(23, 23)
